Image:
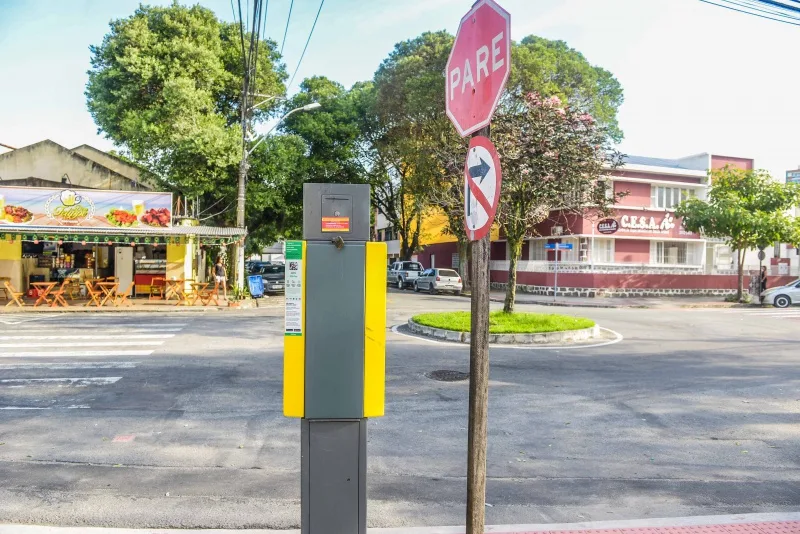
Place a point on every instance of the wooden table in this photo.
(3, 287)
(108, 289)
(44, 289)
(177, 287)
(197, 288)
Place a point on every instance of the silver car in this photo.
(783, 296)
(435, 280)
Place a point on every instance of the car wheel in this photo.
(432, 290)
(782, 301)
(399, 283)
(416, 287)
(458, 293)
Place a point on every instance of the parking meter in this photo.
(334, 352)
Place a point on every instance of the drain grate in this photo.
(445, 375)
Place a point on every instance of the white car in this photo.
(439, 280)
(783, 296)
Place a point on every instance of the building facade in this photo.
(641, 249)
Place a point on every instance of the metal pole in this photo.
(555, 280)
(478, 382)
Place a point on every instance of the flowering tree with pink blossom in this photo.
(554, 160)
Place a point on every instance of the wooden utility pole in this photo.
(478, 381)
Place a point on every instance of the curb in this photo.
(671, 522)
(563, 336)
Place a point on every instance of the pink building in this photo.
(642, 249)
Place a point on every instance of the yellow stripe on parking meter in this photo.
(294, 341)
(375, 329)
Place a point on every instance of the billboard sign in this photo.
(793, 177)
(84, 208)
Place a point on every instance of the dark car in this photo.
(273, 275)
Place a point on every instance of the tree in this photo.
(165, 85)
(746, 208)
(553, 158)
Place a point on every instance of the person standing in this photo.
(762, 283)
(220, 278)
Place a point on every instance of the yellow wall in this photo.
(433, 226)
(11, 261)
(179, 261)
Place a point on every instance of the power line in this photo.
(286, 31)
(768, 11)
(750, 13)
(322, 2)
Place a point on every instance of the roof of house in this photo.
(657, 162)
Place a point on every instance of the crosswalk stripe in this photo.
(93, 337)
(71, 407)
(67, 365)
(48, 326)
(86, 381)
(84, 344)
(74, 353)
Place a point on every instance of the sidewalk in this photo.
(620, 302)
(771, 523)
(140, 305)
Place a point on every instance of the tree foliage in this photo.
(746, 208)
(553, 158)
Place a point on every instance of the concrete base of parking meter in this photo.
(333, 476)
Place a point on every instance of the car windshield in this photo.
(410, 266)
(447, 272)
(272, 269)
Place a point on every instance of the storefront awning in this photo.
(143, 235)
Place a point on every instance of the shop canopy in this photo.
(204, 235)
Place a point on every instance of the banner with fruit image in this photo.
(84, 208)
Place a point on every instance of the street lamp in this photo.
(307, 107)
(243, 177)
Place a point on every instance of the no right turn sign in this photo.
(482, 180)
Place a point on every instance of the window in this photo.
(411, 266)
(603, 251)
(538, 252)
(672, 253)
(455, 260)
(448, 272)
(669, 197)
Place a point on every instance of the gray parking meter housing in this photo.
(327, 206)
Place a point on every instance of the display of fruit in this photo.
(157, 217)
(17, 214)
(121, 218)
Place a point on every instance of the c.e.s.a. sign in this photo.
(608, 226)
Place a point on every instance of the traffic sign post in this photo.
(556, 247)
(476, 74)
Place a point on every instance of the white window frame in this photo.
(668, 197)
(659, 253)
(604, 250)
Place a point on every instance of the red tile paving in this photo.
(777, 527)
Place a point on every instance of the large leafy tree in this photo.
(165, 85)
(553, 158)
(746, 208)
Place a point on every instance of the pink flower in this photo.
(553, 101)
(585, 117)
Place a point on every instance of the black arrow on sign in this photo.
(480, 170)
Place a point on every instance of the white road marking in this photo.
(109, 336)
(617, 338)
(90, 325)
(68, 365)
(72, 407)
(80, 382)
(72, 344)
(75, 353)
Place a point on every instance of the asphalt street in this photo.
(158, 420)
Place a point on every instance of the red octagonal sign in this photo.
(478, 67)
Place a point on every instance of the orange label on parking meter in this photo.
(336, 224)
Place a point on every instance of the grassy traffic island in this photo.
(528, 327)
(506, 323)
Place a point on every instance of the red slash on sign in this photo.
(482, 180)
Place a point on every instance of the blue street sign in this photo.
(560, 246)
(550, 246)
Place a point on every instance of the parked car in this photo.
(435, 280)
(254, 266)
(273, 275)
(783, 296)
(402, 274)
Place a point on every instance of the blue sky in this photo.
(696, 77)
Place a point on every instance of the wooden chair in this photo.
(94, 294)
(157, 289)
(58, 295)
(14, 295)
(73, 288)
(122, 298)
(209, 295)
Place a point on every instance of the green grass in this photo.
(506, 323)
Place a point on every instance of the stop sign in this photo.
(478, 66)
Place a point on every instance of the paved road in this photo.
(174, 420)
